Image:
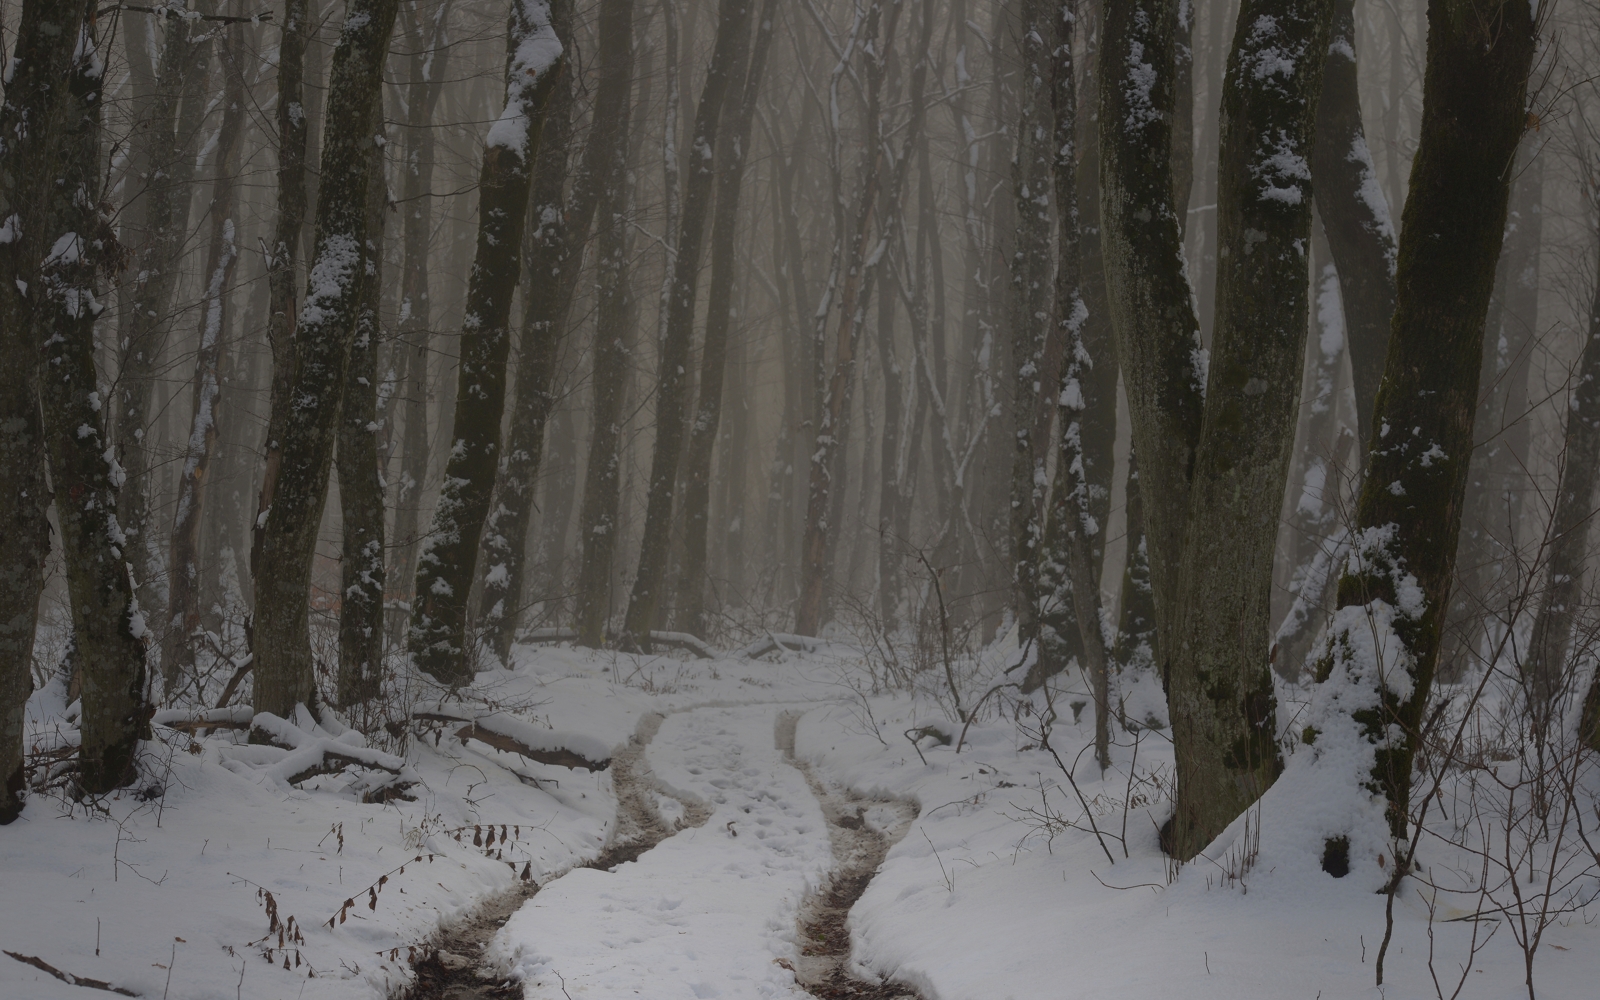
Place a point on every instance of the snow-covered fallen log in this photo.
(772, 642)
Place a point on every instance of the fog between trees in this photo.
(366, 339)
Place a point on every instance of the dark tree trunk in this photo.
(108, 627)
(449, 564)
(46, 37)
(1219, 683)
(1036, 341)
(1157, 335)
(548, 297)
(703, 429)
(1068, 574)
(1409, 512)
(285, 248)
(732, 44)
(323, 335)
(1355, 216)
(361, 564)
(606, 174)
(183, 606)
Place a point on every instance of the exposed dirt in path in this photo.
(861, 830)
(455, 969)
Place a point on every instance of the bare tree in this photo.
(323, 334)
(728, 51)
(606, 171)
(732, 150)
(222, 253)
(46, 36)
(1393, 598)
(449, 561)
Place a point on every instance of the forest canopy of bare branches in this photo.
(1228, 369)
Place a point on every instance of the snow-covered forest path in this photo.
(736, 841)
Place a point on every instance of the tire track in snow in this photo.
(454, 967)
(860, 830)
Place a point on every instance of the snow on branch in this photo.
(535, 53)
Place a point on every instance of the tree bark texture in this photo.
(449, 561)
(1157, 335)
(46, 35)
(733, 148)
(361, 562)
(551, 264)
(1219, 682)
(325, 329)
(729, 50)
(606, 175)
(108, 626)
(285, 247)
(1409, 512)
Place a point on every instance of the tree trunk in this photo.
(449, 563)
(285, 247)
(733, 147)
(1409, 512)
(361, 568)
(606, 169)
(108, 627)
(429, 64)
(1548, 669)
(1067, 567)
(183, 607)
(732, 44)
(1157, 335)
(1036, 341)
(833, 388)
(168, 130)
(46, 37)
(548, 298)
(325, 329)
(1355, 216)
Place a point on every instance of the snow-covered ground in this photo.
(1001, 889)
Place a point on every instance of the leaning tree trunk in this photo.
(1355, 216)
(448, 564)
(46, 36)
(547, 296)
(324, 332)
(606, 172)
(167, 133)
(1408, 516)
(183, 605)
(361, 563)
(690, 609)
(108, 627)
(672, 385)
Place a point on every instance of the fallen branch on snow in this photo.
(69, 978)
